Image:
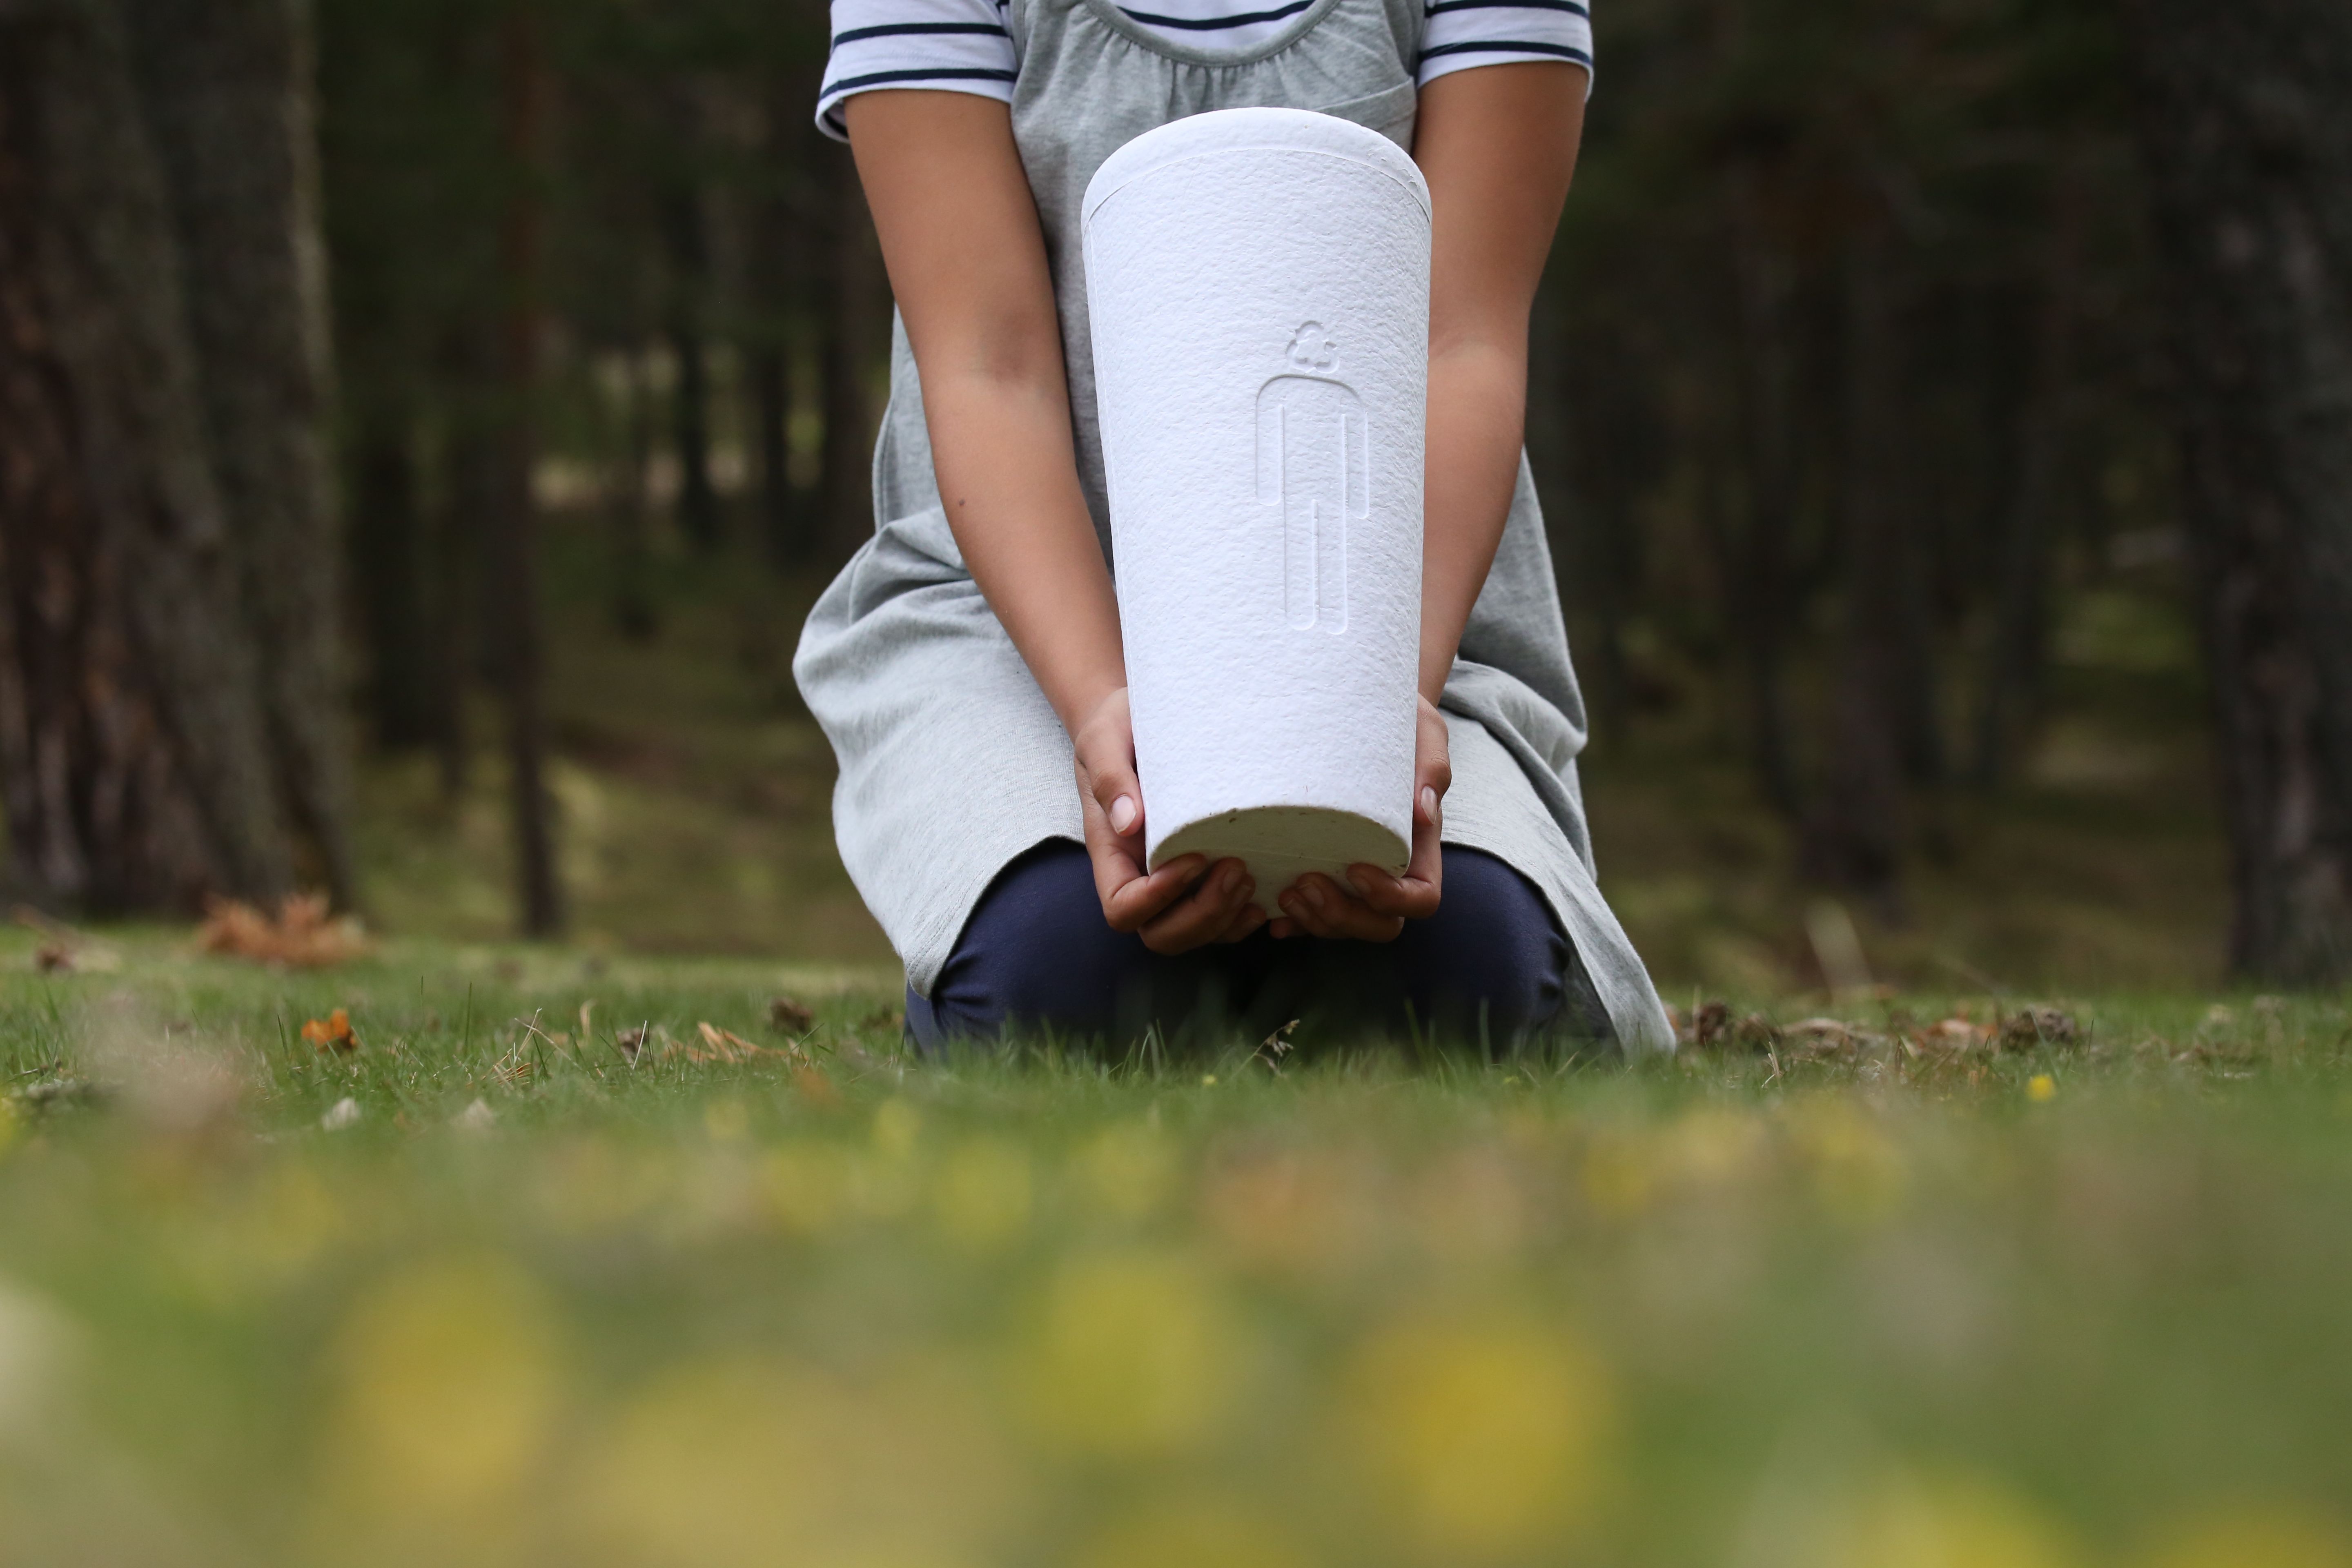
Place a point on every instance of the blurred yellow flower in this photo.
(1619, 1174)
(805, 1184)
(1946, 1522)
(755, 1462)
(2042, 1089)
(1131, 1354)
(2284, 1537)
(726, 1122)
(896, 1125)
(1857, 1168)
(1192, 1531)
(1485, 1436)
(445, 1390)
(1126, 1171)
(984, 1194)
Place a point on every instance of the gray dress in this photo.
(952, 763)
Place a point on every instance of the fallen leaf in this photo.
(2032, 1026)
(333, 1033)
(303, 935)
(792, 1017)
(815, 1085)
(53, 958)
(344, 1112)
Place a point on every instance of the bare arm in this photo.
(967, 262)
(1498, 144)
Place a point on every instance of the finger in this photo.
(1143, 900)
(1407, 897)
(1203, 913)
(1281, 927)
(1325, 909)
(1246, 924)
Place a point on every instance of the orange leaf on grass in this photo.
(303, 934)
(333, 1033)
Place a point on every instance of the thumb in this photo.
(1117, 791)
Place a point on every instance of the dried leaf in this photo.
(2031, 1026)
(727, 1047)
(304, 935)
(815, 1085)
(333, 1033)
(792, 1017)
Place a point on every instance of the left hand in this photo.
(1377, 905)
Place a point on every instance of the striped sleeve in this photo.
(1463, 33)
(954, 45)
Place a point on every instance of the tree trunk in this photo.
(2245, 118)
(856, 307)
(1854, 832)
(2013, 659)
(780, 521)
(515, 613)
(633, 603)
(133, 746)
(698, 500)
(1759, 608)
(388, 557)
(228, 86)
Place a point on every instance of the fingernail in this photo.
(1362, 880)
(1123, 812)
(1315, 890)
(1229, 879)
(1428, 803)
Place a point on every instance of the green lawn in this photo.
(1884, 1298)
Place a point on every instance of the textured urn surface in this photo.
(1258, 284)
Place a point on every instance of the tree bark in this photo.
(2245, 124)
(2014, 658)
(228, 85)
(1854, 830)
(133, 746)
(387, 553)
(515, 612)
(698, 499)
(1759, 609)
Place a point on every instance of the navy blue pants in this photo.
(1491, 966)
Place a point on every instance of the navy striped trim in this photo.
(877, 78)
(898, 30)
(1510, 46)
(1570, 6)
(1210, 24)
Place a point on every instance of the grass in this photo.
(1848, 1301)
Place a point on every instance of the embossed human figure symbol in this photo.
(1313, 463)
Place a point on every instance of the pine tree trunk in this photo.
(2245, 117)
(1854, 830)
(1760, 609)
(388, 572)
(133, 746)
(515, 603)
(698, 500)
(228, 85)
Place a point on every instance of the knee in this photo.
(1035, 951)
(1492, 962)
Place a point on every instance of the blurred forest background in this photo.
(424, 425)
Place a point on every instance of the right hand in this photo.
(1185, 904)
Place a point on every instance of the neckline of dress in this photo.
(1119, 22)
